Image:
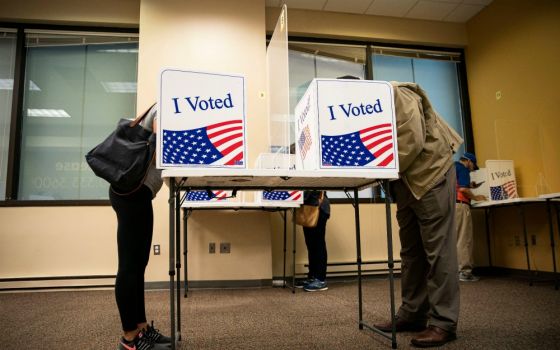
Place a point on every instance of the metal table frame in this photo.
(519, 203)
(272, 179)
(278, 206)
(553, 198)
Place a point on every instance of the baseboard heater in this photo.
(45, 283)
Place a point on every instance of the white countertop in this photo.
(273, 178)
(239, 205)
(508, 201)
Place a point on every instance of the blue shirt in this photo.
(463, 175)
(463, 180)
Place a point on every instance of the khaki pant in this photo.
(463, 221)
(430, 284)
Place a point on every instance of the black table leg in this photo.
(526, 239)
(488, 242)
(390, 263)
(171, 203)
(178, 258)
(358, 258)
(552, 245)
(285, 212)
(293, 250)
(185, 252)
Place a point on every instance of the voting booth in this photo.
(497, 180)
(502, 183)
(356, 117)
(201, 120)
(347, 124)
(211, 196)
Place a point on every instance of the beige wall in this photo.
(514, 49)
(371, 28)
(227, 36)
(224, 37)
(121, 13)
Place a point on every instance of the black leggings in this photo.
(134, 238)
(317, 248)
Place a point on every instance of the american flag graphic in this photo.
(206, 196)
(281, 195)
(371, 146)
(304, 141)
(218, 144)
(505, 191)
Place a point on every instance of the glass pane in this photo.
(392, 68)
(277, 70)
(7, 63)
(302, 71)
(439, 79)
(334, 68)
(75, 93)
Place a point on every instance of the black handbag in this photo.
(123, 158)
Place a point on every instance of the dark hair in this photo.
(348, 77)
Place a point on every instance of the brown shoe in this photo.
(402, 326)
(433, 336)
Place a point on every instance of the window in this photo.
(7, 66)
(77, 86)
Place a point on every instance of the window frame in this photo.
(16, 120)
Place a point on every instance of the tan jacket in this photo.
(426, 142)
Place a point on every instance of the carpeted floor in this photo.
(496, 313)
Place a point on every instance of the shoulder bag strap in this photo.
(321, 197)
(139, 119)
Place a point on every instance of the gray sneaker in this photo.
(140, 342)
(303, 283)
(316, 286)
(467, 277)
(155, 336)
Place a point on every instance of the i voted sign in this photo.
(292, 196)
(208, 196)
(202, 120)
(347, 124)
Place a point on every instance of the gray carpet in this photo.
(496, 313)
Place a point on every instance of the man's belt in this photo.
(467, 203)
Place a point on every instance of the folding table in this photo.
(186, 179)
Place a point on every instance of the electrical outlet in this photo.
(212, 248)
(517, 241)
(225, 248)
(156, 249)
(534, 239)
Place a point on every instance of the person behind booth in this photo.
(316, 243)
(463, 168)
(134, 238)
(425, 199)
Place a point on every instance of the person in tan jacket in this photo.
(425, 198)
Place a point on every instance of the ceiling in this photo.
(459, 11)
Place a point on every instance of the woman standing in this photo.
(134, 238)
(315, 242)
